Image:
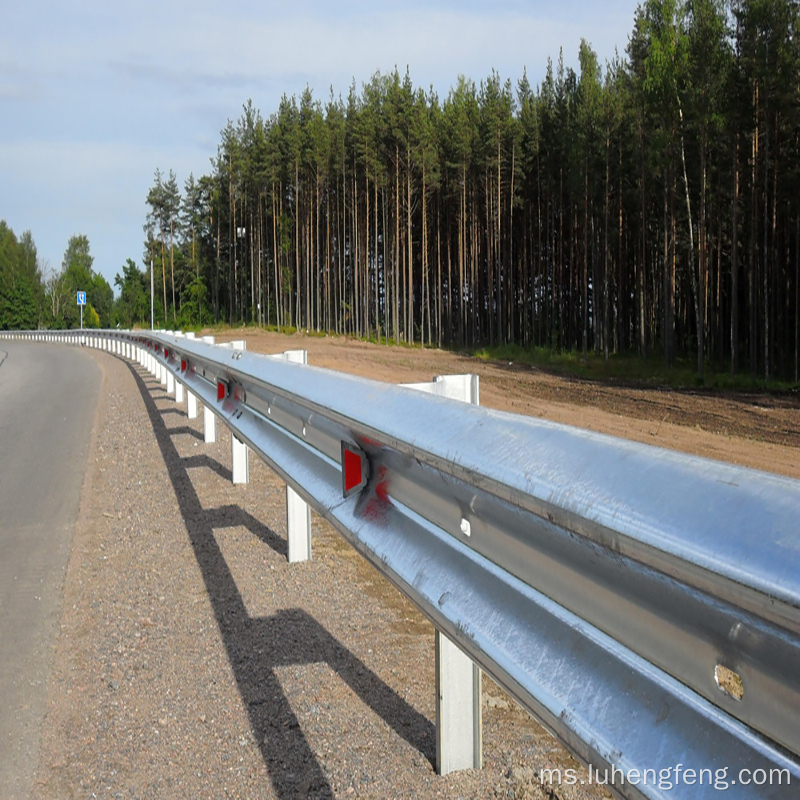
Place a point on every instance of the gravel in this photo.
(195, 662)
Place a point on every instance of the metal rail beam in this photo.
(644, 604)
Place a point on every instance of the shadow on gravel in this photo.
(256, 647)
(235, 517)
(177, 411)
(186, 431)
(197, 462)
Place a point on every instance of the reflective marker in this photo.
(222, 390)
(183, 365)
(355, 469)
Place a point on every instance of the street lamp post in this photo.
(240, 234)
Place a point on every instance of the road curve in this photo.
(48, 397)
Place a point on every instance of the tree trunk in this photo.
(696, 291)
(735, 261)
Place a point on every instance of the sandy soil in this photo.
(761, 431)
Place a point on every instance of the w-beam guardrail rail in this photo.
(642, 603)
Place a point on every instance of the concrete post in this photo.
(191, 405)
(178, 391)
(459, 728)
(240, 455)
(298, 526)
(170, 381)
(209, 426)
(209, 420)
(298, 512)
(240, 461)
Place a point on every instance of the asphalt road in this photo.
(48, 396)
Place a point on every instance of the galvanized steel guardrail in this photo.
(643, 604)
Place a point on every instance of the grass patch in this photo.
(630, 369)
(622, 369)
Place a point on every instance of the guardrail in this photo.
(643, 604)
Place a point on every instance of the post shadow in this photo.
(174, 410)
(235, 517)
(187, 431)
(194, 462)
(256, 647)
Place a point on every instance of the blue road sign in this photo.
(81, 298)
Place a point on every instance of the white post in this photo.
(298, 526)
(178, 391)
(240, 455)
(459, 729)
(170, 381)
(191, 400)
(209, 420)
(163, 371)
(298, 512)
(209, 426)
(239, 460)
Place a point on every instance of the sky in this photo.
(95, 96)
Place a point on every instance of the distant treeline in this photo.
(34, 296)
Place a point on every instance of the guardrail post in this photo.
(178, 385)
(459, 726)
(191, 400)
(298, 512)
(240, 454)
(209, 418)
(240, 461)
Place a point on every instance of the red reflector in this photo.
(183, 365)
(166, 353)
(222, 390)
(355, 469)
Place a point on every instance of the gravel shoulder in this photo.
(194, 662)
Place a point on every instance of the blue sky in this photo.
(95, 96)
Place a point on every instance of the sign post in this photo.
(81, 303)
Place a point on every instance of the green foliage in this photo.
(133, 304)
(77, 274)
(21, 291)
(195, 312)
(91, 319)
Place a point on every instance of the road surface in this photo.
(48, 396)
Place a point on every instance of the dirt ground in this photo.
(761, 431)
